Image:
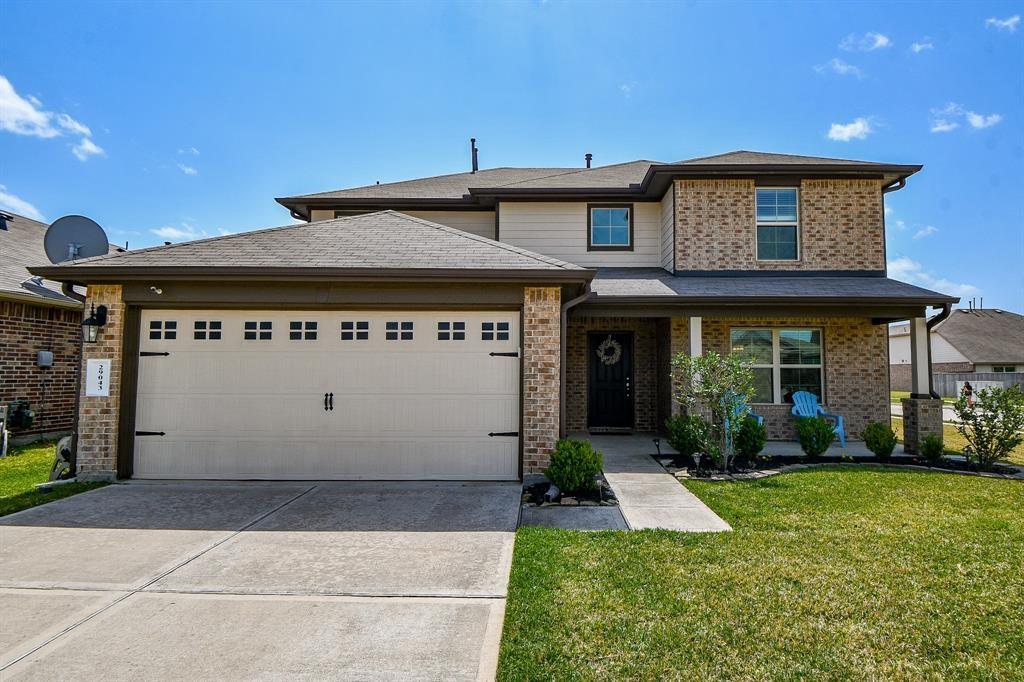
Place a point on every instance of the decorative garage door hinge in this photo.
(151, 353)
(508, 434)
(513, 354)
(150, 433)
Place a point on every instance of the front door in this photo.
(610, 400)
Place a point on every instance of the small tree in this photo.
(994, 426)
(717, 386)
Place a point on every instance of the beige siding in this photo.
(667, 226)
(559, 230)
(477, 222)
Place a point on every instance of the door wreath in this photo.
(609, 351)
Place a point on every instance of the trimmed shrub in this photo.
(750, 440)
(993, 426)
(574, 465)
(815, 434)
(688, 434)
(932, 449)
(880, 439)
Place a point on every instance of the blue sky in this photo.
(164, 120)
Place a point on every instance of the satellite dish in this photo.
(73, 237)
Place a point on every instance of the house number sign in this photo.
(97, 378)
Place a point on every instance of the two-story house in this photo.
(454, 327)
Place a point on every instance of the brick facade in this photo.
(841, 226)
(98, 416)
(645, 372)
(541, 375)
(921, 417)
(26, 329)
(856, 368)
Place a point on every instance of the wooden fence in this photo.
(949, 385)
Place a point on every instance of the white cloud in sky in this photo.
(982, 121)
(86, 148)
(26, 116)
(921, 46)
(188, 151)
(840, 67)
(926, 231)
(941, 125)
(944, 119)
(859, 129)
(908, 270)
(1009, 24)
(185, 231)
(16, 204)
(187, 170)
(865, 43)
(900, 225)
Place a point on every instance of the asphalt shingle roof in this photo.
(381, 240)
(21, 247)
(985, 335)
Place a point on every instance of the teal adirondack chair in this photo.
(805, 404)
(737, 412)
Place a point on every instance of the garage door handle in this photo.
(332, 402)
(325, 402)
(505, 355)
(150, 433)
(152, 353)
(508, 434)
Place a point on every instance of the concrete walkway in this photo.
(648, 496)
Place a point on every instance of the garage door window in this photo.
(207, 330)
(355, 330)
(265, 329)
(302, 331)
(163, 329)
(393, 331)
(494, 331)
(451, 331)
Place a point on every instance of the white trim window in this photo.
(778, 224)
(784, 361)
(1000, 369)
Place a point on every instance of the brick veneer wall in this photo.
(921, 417)
(841, 226)
(645, 374)
(541, 375)
(856, 368)
(26, 329)
(98, 416)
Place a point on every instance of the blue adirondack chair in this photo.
(738, 412)
(805, 404)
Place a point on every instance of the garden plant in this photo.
(575, 465)
(815, 435)
(993, 427)
(880, 439)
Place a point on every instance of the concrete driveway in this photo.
(252, 580)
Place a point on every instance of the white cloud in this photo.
(840, 67)
(900, 225)
(924, 44)
(86, 148)
(21, 116)
(982, 121)
(926, 231)
(865, 43)
(16, 204)
(71, 125)
(941, 125)
(188, 151)
(907, 270)
(1009, 24)
(859, 129)
(187, 170)
(185, 231)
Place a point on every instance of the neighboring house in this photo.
(453, 327)
(35, 316)
(970, 340)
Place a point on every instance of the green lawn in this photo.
(955, 443)
(829, 574)
(25, 466)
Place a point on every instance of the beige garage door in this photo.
(327, 395)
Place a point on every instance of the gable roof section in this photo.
(370, 246)
(985, 335)
(642, 179)
(21, 246)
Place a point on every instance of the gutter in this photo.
(564, 333)
(947, 310)
(895, 186)
(68, 289)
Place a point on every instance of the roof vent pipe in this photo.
(589, 157)
(473, 150)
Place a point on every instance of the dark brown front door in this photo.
(610, 374)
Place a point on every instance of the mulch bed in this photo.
(602, 495)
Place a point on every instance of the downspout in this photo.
(303, 218)
(564, 329)
(947, 309)
(895, 186)
(68, 289)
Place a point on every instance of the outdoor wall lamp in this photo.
(91, 325)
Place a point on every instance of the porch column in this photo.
(541, 375)
(99, 397)
(696, 342)
(920, 367)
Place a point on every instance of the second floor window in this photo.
(610, 228)
(777, 224)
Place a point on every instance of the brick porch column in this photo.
(921, 417)
(541, 375)
(678, 343)
(98, 416)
